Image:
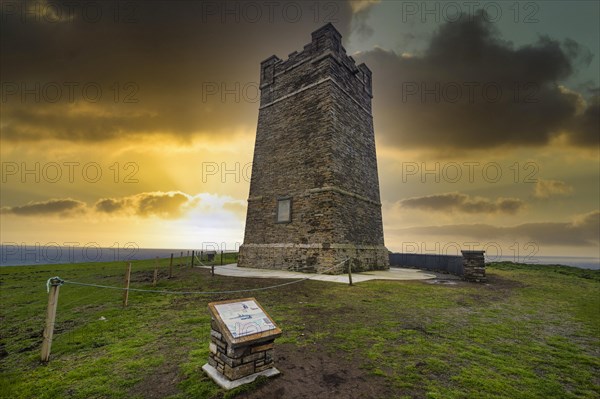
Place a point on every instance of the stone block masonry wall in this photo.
(320, 258)
(315, 145)
(474, 266)
(236, 363)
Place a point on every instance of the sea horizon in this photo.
(30, 255)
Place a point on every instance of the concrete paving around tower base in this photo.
(394, 273)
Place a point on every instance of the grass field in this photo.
(532, 332)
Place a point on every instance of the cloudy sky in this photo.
(134, 122)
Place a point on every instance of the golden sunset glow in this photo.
(141, 130)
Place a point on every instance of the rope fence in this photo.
(54, 283)
(48, 284)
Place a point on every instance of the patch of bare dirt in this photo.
(314, 373)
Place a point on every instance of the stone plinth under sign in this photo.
(474, 266)
(241, 342)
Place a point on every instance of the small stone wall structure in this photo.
(474, 266)
(235, 363)
(242, 337)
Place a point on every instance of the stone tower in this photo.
(314, 192)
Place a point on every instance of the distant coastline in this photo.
(581, 262)
(11, 255)
(31, 255)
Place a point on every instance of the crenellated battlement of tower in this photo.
(323, 58)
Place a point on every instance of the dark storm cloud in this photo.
(50, 121)
(110, 205)
(458, 202)
(362, 10)
(55, 207)
(175, 67)
(581, 232)
(472, 89)
(168, 205)
(584, 128)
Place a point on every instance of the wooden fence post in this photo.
(181, 259)
(221, 257)
(155, 272)
(193, 254)
(171, 266)
(50, 318)
(127, 280)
